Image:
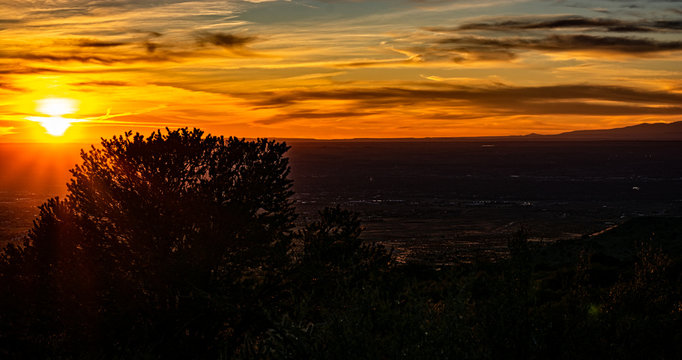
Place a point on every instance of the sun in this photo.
(55, 124)
(56, 106)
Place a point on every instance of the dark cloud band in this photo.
(559, 43)
(590, 100)
(228, 41)
(566, 22)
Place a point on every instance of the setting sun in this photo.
(55, 125)
(56, 106)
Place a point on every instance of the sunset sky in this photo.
(336, 68)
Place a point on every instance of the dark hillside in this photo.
(640, 132)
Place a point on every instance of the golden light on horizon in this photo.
(55, 124)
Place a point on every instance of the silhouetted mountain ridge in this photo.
(645, 131)
(639, 132)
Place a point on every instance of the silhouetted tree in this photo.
(182, 197)
(333, 244)
(164, 237)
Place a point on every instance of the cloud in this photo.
(10, 21)
(228, 41)
(100, 44)
(10, 87)
(104, 59)
(150, 46)
(6, 69)
(6, 130)
(297, 115)
(503, 38)
(110, 53)
(64, 12)
(565, 22)
(380, 63)
(150, 34)
(492, 100)
(102, 83)
(484, 48)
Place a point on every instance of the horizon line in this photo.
(526, 137)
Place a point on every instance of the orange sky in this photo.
(337, 68)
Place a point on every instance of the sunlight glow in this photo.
(56, 106)
(55, 125)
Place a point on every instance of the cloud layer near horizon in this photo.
(330, 69)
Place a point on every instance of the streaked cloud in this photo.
(228, 41)
(102, 83)
(506, 47)
(311, 114)
(102, 44)
(6, 130)
(526, 23)
(341, 68)
(558, 99)
(9, 87)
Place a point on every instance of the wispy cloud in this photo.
(10, 87)
(110, 118)
(6, 130)
(506, 47)
(310, 114)
(106, 59)
(102, 83)
(498, 100)
(505, 38)
(99, 44)
(526, 23)
(228, 41)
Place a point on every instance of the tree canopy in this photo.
(165, 230)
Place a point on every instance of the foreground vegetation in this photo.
(180, 245)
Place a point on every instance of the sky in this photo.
(85, 69)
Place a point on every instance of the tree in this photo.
(164, 237)
(178, 245)
(333, 245)
(183, 196)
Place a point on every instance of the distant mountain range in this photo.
(646, 131)
(640, 132)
